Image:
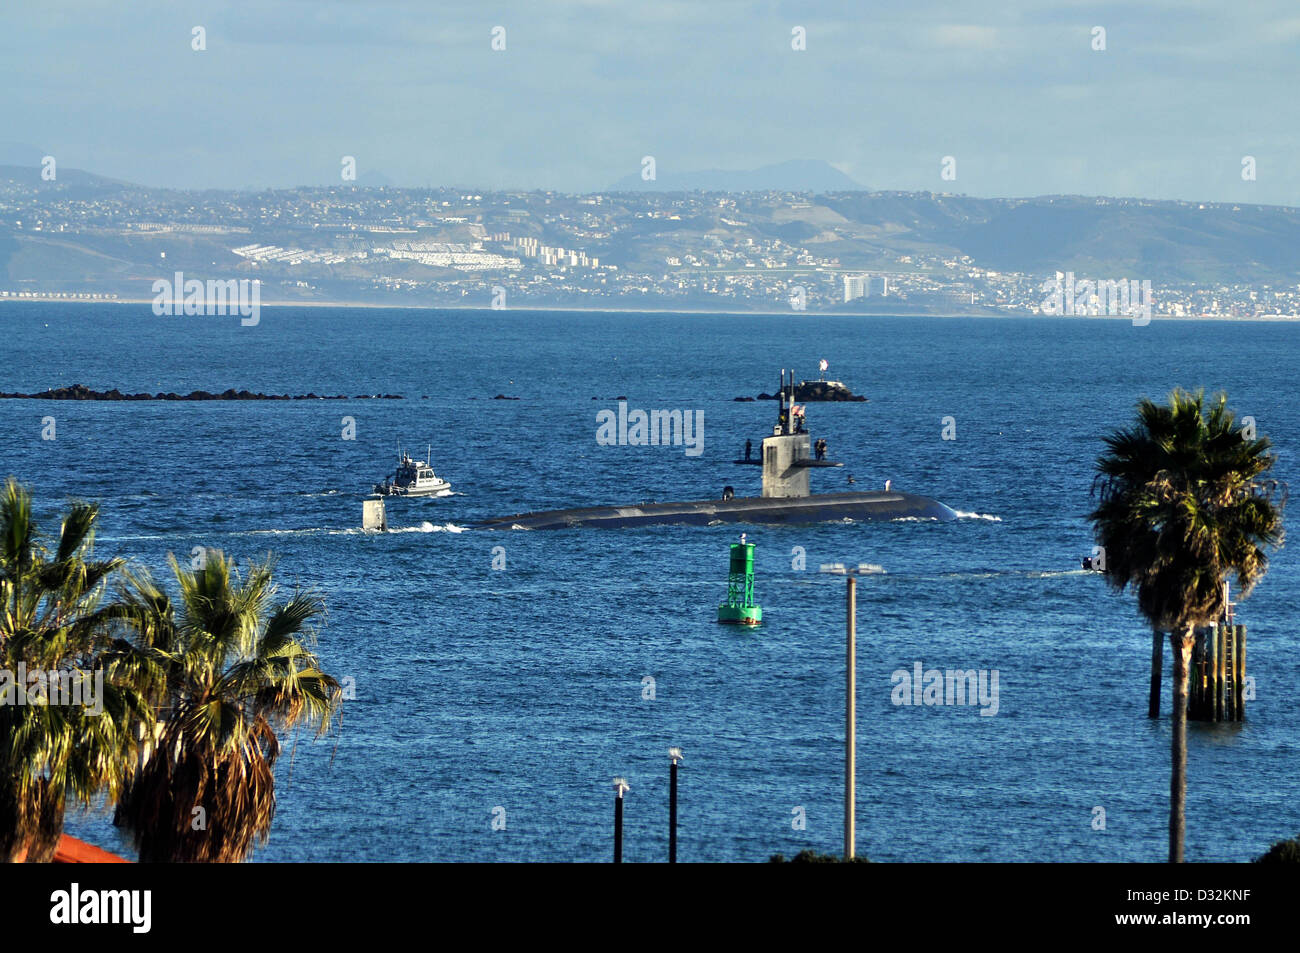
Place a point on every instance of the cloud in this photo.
(587, 87)
(1282, 31)
(965, 37)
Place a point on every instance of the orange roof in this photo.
(73, 851)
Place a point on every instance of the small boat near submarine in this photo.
(411, 478)
(787, 459)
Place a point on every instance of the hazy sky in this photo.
(885, 89)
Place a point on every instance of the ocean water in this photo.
(519, 693)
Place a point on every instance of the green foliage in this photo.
(53, 619)
(1283, 852)
(195, 695)
(813, 857)
(230, 671)
(1184, 503)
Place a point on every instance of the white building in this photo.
(863, 286)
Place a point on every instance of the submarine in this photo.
(787, 462)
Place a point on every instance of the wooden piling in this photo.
(1231, 687)
(1196, 690)
(1157, 658)
(1207, 670)
(1217, 680)
(1207, 679)
(1220, 660)
(1206, 710)
(1240, 672)
(1229, 669)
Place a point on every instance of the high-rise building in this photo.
(864, 286)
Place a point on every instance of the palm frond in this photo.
(1183, 503)
(238, 672)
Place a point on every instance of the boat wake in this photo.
(188, 534)
(977, 516)
(425, 527)
(1000, 574)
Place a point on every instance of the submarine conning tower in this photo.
(786, 454)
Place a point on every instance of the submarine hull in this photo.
(816, 508)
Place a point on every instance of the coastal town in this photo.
(850, 252)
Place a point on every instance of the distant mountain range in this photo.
(20, 154)
(1178, 241)
(31, 175)
(797, 175)
(20, 162)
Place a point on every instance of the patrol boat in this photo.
(413, 478)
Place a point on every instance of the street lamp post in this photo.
(850, 718)
(675, 755)
(620, 786)
(850, 695)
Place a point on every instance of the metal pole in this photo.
(672, 813)
(850, 719)
(620, 785)
(618, 828)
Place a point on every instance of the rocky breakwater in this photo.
(814, 391)
(81, 392)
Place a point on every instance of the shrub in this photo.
(813, 857)
(1283, 852)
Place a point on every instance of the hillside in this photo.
(747, 249)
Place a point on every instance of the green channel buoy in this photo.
(740, 607)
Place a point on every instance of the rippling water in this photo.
(523, 688)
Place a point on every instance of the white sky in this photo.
(583, 90)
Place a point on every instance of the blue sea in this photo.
(516, 694)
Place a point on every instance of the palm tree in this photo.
(229, 671)
(53, 620)
(1184, 503)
